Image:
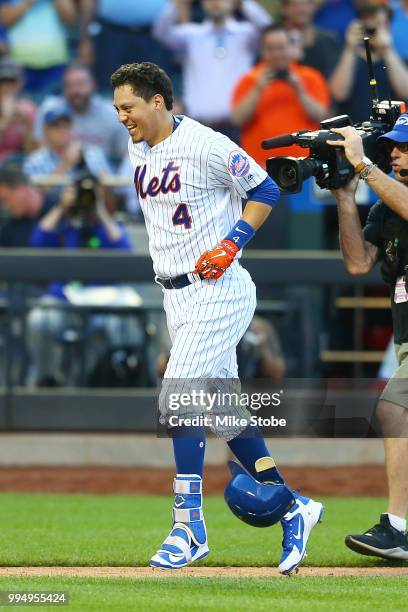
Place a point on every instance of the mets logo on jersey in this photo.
(169, 181)
(238, 163)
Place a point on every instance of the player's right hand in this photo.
(212, 264)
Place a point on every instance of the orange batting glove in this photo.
(212, 264)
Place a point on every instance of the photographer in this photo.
(79, 220)
(384, 238)
(277, 96)
(348, 84)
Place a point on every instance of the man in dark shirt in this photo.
(321, 48)
(385, 239)
(349, 82)
(24, 205)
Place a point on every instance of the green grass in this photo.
(39, 529)
(190, 594)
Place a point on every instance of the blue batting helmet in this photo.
(256, 503)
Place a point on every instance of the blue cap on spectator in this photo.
(399, 132)
(55, 114)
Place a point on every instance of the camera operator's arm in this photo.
(245, 109)
(392, 193)
(341, 81)
(358, 254)
(313, 109)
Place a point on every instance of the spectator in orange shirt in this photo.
(278, 96)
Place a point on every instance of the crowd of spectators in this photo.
(252, 69)
(237, 66)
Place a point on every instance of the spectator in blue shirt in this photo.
(336, 15)
(349, 82)
(61, 152)
(89, 112)
(37, 39)
(120, 33)
(399, 29)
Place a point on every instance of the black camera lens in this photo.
(287, 176)
(370, 31)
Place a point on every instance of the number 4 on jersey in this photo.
(182, 217)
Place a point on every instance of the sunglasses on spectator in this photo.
(401, 146)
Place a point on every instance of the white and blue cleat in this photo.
(297, 525)
(187, 541)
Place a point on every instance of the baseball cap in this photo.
(9, 70)
(399, 132)
(55, 114)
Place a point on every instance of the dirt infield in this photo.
(199, 572)
(339, 481)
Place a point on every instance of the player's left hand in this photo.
(352, 143)
(212, 264)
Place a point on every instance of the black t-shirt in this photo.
(16, 232)
(376, 233)
(324, 54)
(358, 105)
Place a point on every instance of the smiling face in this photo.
(143, 120)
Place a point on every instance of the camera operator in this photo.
(384, 238)
(79, 220)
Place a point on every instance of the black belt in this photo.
(177, 282)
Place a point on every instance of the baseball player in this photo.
(190, 181)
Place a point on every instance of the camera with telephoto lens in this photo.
(327, 163)
(86, 187)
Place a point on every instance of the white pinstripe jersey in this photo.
(190, 187)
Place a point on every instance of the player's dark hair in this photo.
(146, 80)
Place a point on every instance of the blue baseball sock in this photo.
(248, 447)
(189, 449)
